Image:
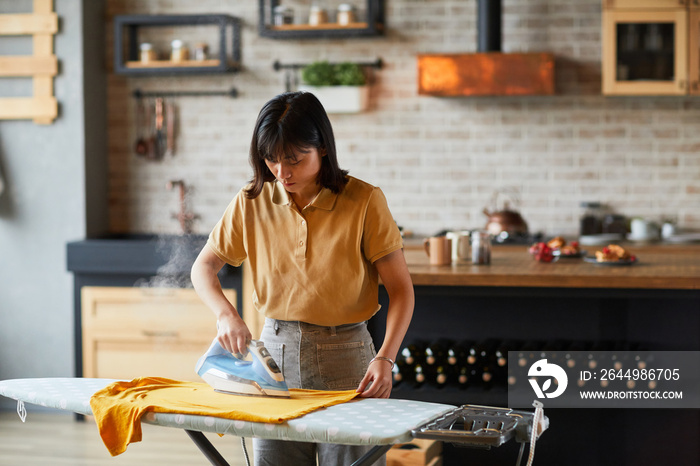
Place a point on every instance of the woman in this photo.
(317, 240)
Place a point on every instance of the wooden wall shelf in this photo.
(126, 45)
(370, 23)
(41, 66)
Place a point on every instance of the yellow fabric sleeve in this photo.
(119, 406)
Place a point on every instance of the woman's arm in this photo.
(393, 271)
(232, 332)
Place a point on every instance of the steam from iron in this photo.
(181, 252)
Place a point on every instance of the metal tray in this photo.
(479, 426)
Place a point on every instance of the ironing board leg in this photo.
(373, 455)
(207, 448)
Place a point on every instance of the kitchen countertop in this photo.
(673, 267)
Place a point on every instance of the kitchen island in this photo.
(671, 267)
(654, 303)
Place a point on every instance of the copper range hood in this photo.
(488, 72)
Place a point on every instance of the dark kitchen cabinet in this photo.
(662, 319)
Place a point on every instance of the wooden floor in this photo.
(58, 439)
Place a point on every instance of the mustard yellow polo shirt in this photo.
(316, 265)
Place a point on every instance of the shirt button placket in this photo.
(302, 237)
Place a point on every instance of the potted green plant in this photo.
(341, 88)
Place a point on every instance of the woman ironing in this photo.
(317, 240)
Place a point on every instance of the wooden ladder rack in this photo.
(41, 66)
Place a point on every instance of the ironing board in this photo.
(365, 421)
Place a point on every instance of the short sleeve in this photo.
(381, 234)
(227, 237)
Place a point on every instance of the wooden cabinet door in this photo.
(694, 51)
(138, 332)
(634, 64)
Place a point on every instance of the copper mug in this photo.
(439, 250)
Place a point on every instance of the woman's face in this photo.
(298, 174)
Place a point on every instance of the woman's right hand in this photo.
(233, 334)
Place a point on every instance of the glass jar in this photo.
(201, 51)
(146, 53)
(591, 222)
(615, 223)
(282, 15)
(346, 14)
(179, 51)
(481, 247)
(317, 16)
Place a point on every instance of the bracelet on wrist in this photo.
(382, 358)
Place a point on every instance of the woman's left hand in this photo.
(379, 376)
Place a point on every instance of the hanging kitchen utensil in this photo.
(149, 128)
(170, 128)
(160, 142)
(503, 218)
(141, 146)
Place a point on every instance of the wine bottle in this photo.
(458, 352)
(436, 352)
(485, 361)
(528, 352)
(593, 361)
(401, 372)
(443, 376)
(419, 375)
(464, 376)
(574, 352)
(414, 353)
(502, 360)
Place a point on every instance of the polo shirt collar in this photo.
(325, 199)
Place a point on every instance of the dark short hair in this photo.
(287, 124)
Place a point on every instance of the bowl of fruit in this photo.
(542, 252)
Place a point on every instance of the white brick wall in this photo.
(438, 160)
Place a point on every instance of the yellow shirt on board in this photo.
(313, 265)
(118, 407)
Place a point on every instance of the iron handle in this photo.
(161, 334)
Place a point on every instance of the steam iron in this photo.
(255, 374)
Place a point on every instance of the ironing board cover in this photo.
(365, 421)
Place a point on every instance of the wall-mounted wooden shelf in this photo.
(172, 64)
(371, 24)
(126, 45)
(41, 66)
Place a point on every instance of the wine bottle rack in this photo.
(483, 365)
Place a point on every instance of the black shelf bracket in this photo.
(291, 78)
(232, 93)
(277, 66)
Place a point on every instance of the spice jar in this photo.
(283, 15)
(317, 15)
(201, 51)
(346, 14)
(147, 54)
(179, 51)
(481, 247)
